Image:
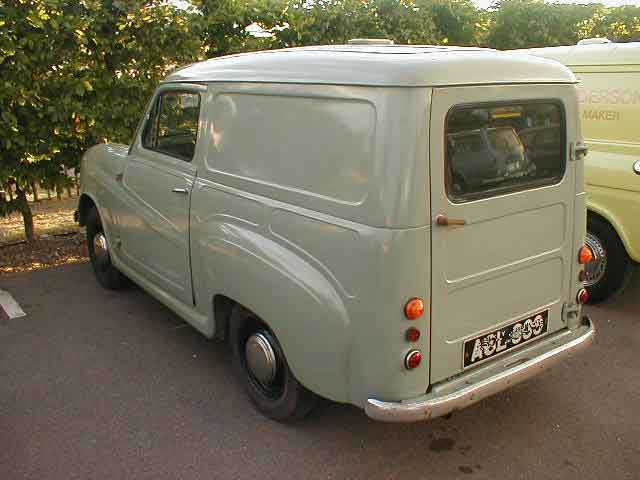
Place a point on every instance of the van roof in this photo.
(587, 54)
(376, 65)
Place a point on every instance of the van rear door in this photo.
(502, 193)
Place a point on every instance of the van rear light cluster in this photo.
(413, 310)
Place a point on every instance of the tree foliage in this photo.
(74, 73)
(535, 23)
(620, 24)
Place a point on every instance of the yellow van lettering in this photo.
(608, 115)
(609, 96)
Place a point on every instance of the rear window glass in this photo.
(495, 149)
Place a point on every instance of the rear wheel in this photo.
(98, 246)
(606, 273)
(265, 374)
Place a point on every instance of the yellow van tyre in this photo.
(108, 276)
(607, 272)
(263, 370)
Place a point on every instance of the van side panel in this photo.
(610, 112)
(303, 256)
(610, 103)
(325, 146)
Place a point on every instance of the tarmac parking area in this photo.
(98, 384)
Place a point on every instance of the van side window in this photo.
(501, 148)
(172, 127)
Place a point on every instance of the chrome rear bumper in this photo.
(480, 383)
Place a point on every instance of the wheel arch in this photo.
(293, 299)
(610, 219)
(85, 203)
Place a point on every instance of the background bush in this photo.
(74, 73)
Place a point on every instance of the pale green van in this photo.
(398, 228)
(609, 95)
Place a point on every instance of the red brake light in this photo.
(412, 334)
(413, 359)
(414, 308)
(583, 296)
(585, 255)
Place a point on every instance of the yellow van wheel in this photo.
(611, 264)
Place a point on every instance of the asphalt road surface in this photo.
(102, 385)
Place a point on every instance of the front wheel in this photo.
(108, 276)
(265, 374)
(610, 265)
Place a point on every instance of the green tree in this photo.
(457, 22)
(76, 73)
(621, 24)
(535, 23)
(37, 43)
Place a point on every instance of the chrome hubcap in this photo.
(261, 359)
(596, 268)
(100, 246)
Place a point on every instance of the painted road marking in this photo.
(9, 308)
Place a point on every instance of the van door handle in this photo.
(444, 221)
(581, 151)
(183, 191)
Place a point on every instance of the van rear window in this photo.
(500, 148)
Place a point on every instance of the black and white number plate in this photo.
(491, 344)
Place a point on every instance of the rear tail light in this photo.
(585, 255)
(412, 334)
(414, 308)
(583, 296)
(413, 359)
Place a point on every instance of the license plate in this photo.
(492, 344)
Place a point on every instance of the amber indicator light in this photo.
(585, 255)
(414, 308)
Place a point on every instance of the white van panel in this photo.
(257, 136)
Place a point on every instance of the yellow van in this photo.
(609, 96)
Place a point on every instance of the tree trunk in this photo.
(66, 181)
(77, 183)
(34, 190)
(10, 191)
(58, 191)
(27, 215)
(48, 194)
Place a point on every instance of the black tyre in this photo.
(108, 276)
(611, 264)
(264, 372)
